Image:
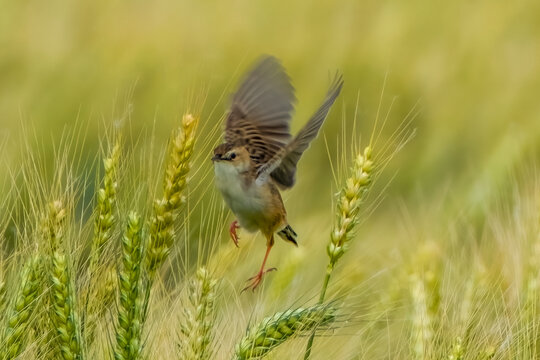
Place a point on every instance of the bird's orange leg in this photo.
(232, 230)
(256, 280)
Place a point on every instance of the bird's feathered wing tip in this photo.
(282, 168)
(261, 110)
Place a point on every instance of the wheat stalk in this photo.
(128, 330)
(23, 308)
(280, 327)
(174, 183)
(348, 208)
(198, 319)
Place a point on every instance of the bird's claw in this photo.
(232, 231)
(256, 280)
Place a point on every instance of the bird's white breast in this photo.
(247, 201)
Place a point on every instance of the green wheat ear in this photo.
(105, 208)
(128, 329)
(25, 302)
(199, 318)
(63, 314)
(97, 294)
(280, 327)
(62, 296)
(174, 183)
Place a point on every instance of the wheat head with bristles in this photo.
(64, 315)
(52, 226)
(274, 330)
(198, 322)
(129, 327)
(174, 183)
(348, 207)
(105, 217)
(14, 340)
(62, 297)
(351, 197)
(422, 322)
(51, 236)
(458, 350)
(99, 299)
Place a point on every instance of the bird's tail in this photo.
(288, 234)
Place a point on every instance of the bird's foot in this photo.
(256, 280)
(232, 230)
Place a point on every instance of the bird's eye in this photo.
(233, 155)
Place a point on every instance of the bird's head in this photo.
(230, 155)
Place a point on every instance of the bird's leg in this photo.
(256, 280)
(232, 231)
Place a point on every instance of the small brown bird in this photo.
(259, 155)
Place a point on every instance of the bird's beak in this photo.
(216, 158)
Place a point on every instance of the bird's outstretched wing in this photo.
(261, 110)
(282, 167)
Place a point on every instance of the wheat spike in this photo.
(128, 329)
(174, 183)
(198, 319)
(280, 327)
(351, 198)
(106, 199)
(23, 308)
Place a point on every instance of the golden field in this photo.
(444, 258)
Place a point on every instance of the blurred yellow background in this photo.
(472, 66)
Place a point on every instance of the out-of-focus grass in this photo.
(472, 66)
(456, 214)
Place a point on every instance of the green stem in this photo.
(321, 300)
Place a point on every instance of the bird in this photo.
(259, 156)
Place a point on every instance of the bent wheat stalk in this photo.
(280, 327)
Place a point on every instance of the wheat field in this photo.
(417, 208)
